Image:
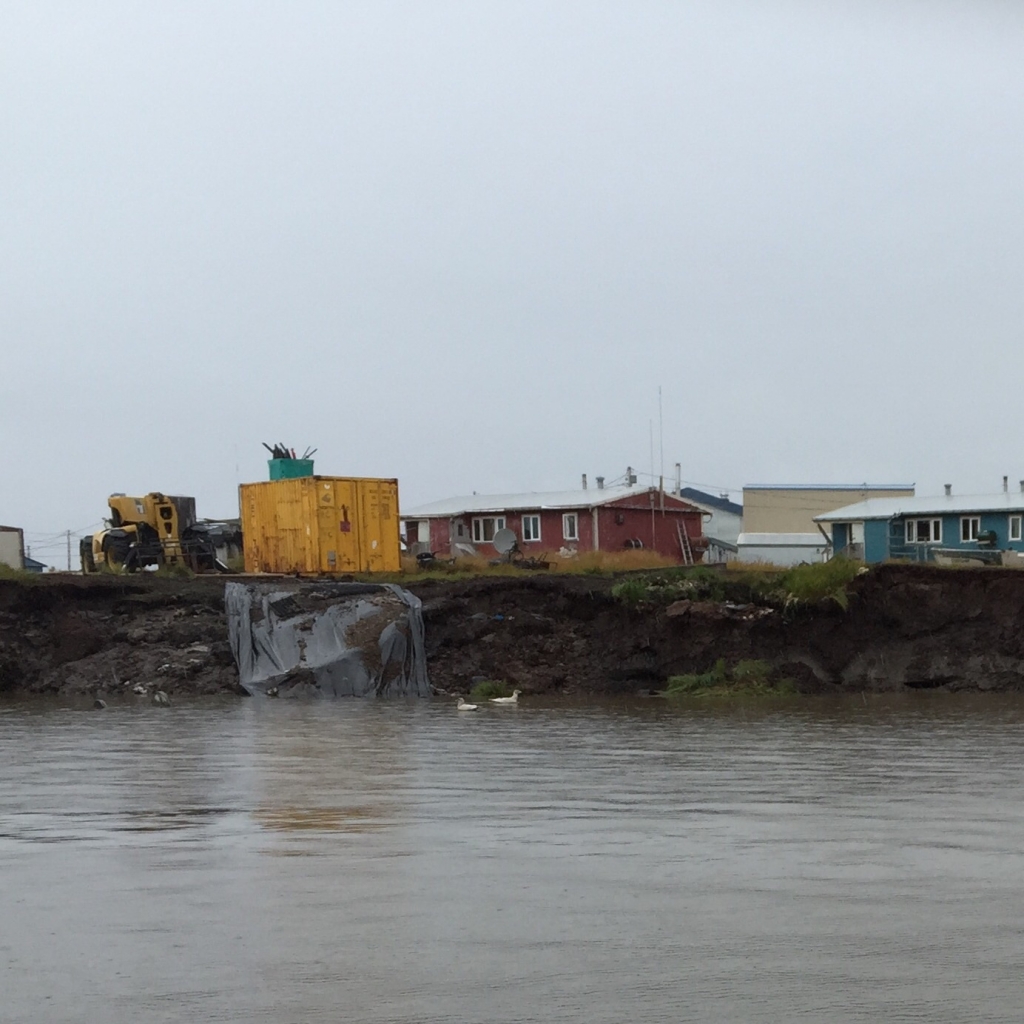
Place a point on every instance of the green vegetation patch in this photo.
(177, 571)
(747, 678)
(787, 589)
(488, 688)
(21, 575)
(820, 581)
(664, 587)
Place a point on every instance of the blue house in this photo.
(928, 529)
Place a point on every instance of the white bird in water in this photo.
(463, 706)
(514, 699)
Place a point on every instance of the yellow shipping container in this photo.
(320, 524)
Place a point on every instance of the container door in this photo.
(378, 527)
(336, 514)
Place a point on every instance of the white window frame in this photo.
(970, 528)
(575, 518)
(533, 519)
(934, 531)
(478, 528)
(1014, 528)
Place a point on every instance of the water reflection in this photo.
(319, 819)
(856, 860)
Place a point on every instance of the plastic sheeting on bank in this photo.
(327, 639)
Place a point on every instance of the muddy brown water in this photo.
(402, 862)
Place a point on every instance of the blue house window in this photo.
(924, 531)
(970, 527)
(1015, 532)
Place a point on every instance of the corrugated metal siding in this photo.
(320, 524)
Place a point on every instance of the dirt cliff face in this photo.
(106, 635)
(905, 627)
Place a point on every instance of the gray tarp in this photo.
(329, 639)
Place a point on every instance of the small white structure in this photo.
(12, 547)
(782, 548)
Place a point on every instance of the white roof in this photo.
(530, 500)
(782, 540)
(954, 504)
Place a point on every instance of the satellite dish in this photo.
(504, 541)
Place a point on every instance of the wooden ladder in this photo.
(684, 544)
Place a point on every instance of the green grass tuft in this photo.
(174, 572)
(22, 575)
(748, 678)
(489, 688)
(820, 581)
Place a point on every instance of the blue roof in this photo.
(712, 500)
(31, 565)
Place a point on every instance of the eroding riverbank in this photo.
(904, 627)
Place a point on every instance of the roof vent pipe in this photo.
(584, 481)
(600, 483)
(1006, 485)
(949, 489)
(679, 478)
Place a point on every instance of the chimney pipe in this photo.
(949, 489)
(600, 483)
(584, 481)
(679, 478)
(1006, 485)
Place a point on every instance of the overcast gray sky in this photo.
(463, 244)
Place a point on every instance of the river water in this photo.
(402, 862)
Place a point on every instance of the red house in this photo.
(603, 519)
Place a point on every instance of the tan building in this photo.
(778, 520)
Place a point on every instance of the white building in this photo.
(12, 547)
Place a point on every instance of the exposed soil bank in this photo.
(906, 627)
(103, 635)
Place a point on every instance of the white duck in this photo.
(463, 706)
(514, 699)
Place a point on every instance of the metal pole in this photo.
(661, 439)
(69, 551)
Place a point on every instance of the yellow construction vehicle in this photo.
(155, 530)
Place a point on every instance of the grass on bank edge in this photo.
(747, 678)
(18, 575)
(488, 688)
(786, 588)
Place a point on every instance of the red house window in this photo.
(570, 526)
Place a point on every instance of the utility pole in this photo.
(69, 551)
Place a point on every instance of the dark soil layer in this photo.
(906, 627)
(104, 635)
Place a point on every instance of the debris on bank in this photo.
(327, 639)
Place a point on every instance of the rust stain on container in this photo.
(320, 524)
